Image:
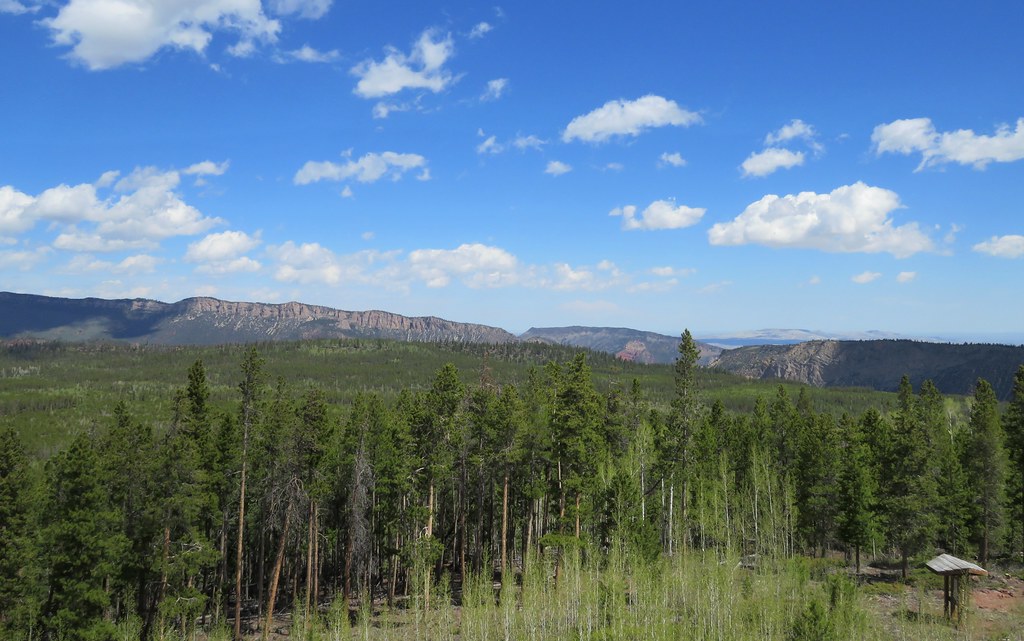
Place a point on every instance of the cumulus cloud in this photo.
(494, 89)
(480, 30)
(15, 7)
(490, 145)
(523, 143)
(13, 216)
(22, 259)
(865, 277)
(313, 263)
(775, 156)
(661, 214)
(628, 118)
(311, 9)
(476, 265)
(905, 277)
(852, 218)
(422, 68)
(918, 135)
(103, 34)
(140, 210)
(207, 168)
(221, 247)
(771, 160)
(367, 169)
(305, 53)
(796, 129)
(1011, 246)
(383, 109)
(671, 160)
(557, 168)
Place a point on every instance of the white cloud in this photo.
(104, 34)
(494, 89)
(795, 129)
(672, 271)
(311, 9)
(490, 145)
(770, 160)
(674, 159)
(661, 214)
(523, 143)
(13, 216)
(906, 277)
(305, 53)
(557, 168)
(814, 280)
(962, 146)
(628, 118)
(367, 169)
(383, 109)
(313, 263)
(476, 265)
(143, 209)
(220, 247)
(852, 218)
(480, 30)
(233, 266)
(207, 168)
(137, 264)
(1011, 246)
(865, 277)
(367, 235)
(22, 260)
(15, 7)
(422, 68)
(614, 166)
(347, 192)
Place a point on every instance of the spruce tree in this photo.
(857, 520)
(986, 468)
(79, 546)
(1013, 423)
(16, 580)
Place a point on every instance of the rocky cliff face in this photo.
(879, 364)
(209, 321)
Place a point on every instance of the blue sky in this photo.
(719, 166)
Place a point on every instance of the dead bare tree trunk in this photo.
(275, 576)
(504, 525)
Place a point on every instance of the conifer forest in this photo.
(488, 492)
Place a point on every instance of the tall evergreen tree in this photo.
(913, 492)
(1013, 423)
(16, 580)
(986, 466)
(857, 520)
(79, 546)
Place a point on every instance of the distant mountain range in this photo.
(209, 321)
(628, 344)
(879, 364)
(868, 362)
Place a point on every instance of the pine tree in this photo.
(857, 521)
(16, 589)
(79, 546)
(953, 508)
(1013, 423)
(913, 493)
(576, 428)
(986, 468)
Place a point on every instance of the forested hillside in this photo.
(264, 492)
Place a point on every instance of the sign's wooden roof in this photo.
(950, 565)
